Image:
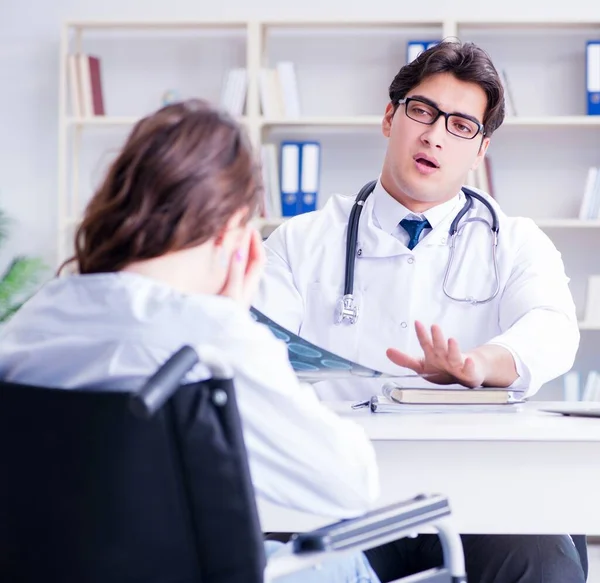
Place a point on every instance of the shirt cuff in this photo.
(523, 375)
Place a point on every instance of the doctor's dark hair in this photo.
(181, 175)
(467, 62)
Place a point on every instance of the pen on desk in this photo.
(361, 404)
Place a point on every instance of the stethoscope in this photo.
(346, 308)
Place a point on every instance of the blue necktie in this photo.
(414, 229)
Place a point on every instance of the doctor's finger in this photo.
(404, 360)
(424, 339)
(440, 346)
(455, 357)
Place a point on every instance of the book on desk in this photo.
(397, 399)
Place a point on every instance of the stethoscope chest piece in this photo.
(346, 310)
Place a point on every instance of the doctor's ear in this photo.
(386, 122)
(481, 154)
(484, 146)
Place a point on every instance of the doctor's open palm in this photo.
(442, 360)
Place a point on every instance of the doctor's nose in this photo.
(435, 134)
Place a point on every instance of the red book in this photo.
(96, 82)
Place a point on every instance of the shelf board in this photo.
(520, 24)
(588, 326)
(351, 23)
(375, 121)
(568, 223)
(324, 121)
(553, 120)
(102, 120)
(348, 121)
(110, 120)
(154, 24)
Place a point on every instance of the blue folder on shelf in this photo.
(300, 176)
(415, 47)
(592, 77)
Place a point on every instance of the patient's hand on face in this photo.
(246, 266)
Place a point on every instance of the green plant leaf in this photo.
(17, 281)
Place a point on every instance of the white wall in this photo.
(29, 36)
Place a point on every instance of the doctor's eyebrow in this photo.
(434, 104)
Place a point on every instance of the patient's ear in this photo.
(233, 230)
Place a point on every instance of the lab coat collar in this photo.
(381, 216)
(389, 212)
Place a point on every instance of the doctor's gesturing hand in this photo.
(444, 363)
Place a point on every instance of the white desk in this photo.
(525, 472)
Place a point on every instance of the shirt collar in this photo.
(388, 212)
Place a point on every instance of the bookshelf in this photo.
(540, 156)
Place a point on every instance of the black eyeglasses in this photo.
(457, 125)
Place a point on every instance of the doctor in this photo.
(522, 330)
(411, 279)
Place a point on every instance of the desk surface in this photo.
(524, 472)
(525, 423)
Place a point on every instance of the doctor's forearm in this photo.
(497, 362)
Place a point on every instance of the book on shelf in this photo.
(85, 85)
(571, 386)
(270, 175)
(509, 99)
(592, 301)
(278, 90)
(591, 389)
(590, 203)
(234, 90)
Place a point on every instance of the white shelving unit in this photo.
(145, 49)
(539, 157)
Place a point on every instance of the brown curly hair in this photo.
(182, 173)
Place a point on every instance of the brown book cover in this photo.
(96, 82)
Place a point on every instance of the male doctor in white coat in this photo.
(522, 332)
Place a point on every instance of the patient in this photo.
(165, 256)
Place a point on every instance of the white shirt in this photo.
(533, 315)
(114, 330)
(388, 212)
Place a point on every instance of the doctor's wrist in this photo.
(496, 365)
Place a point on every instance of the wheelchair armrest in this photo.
(376, 528)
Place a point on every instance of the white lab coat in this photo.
(112, 331)
(533, 314)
